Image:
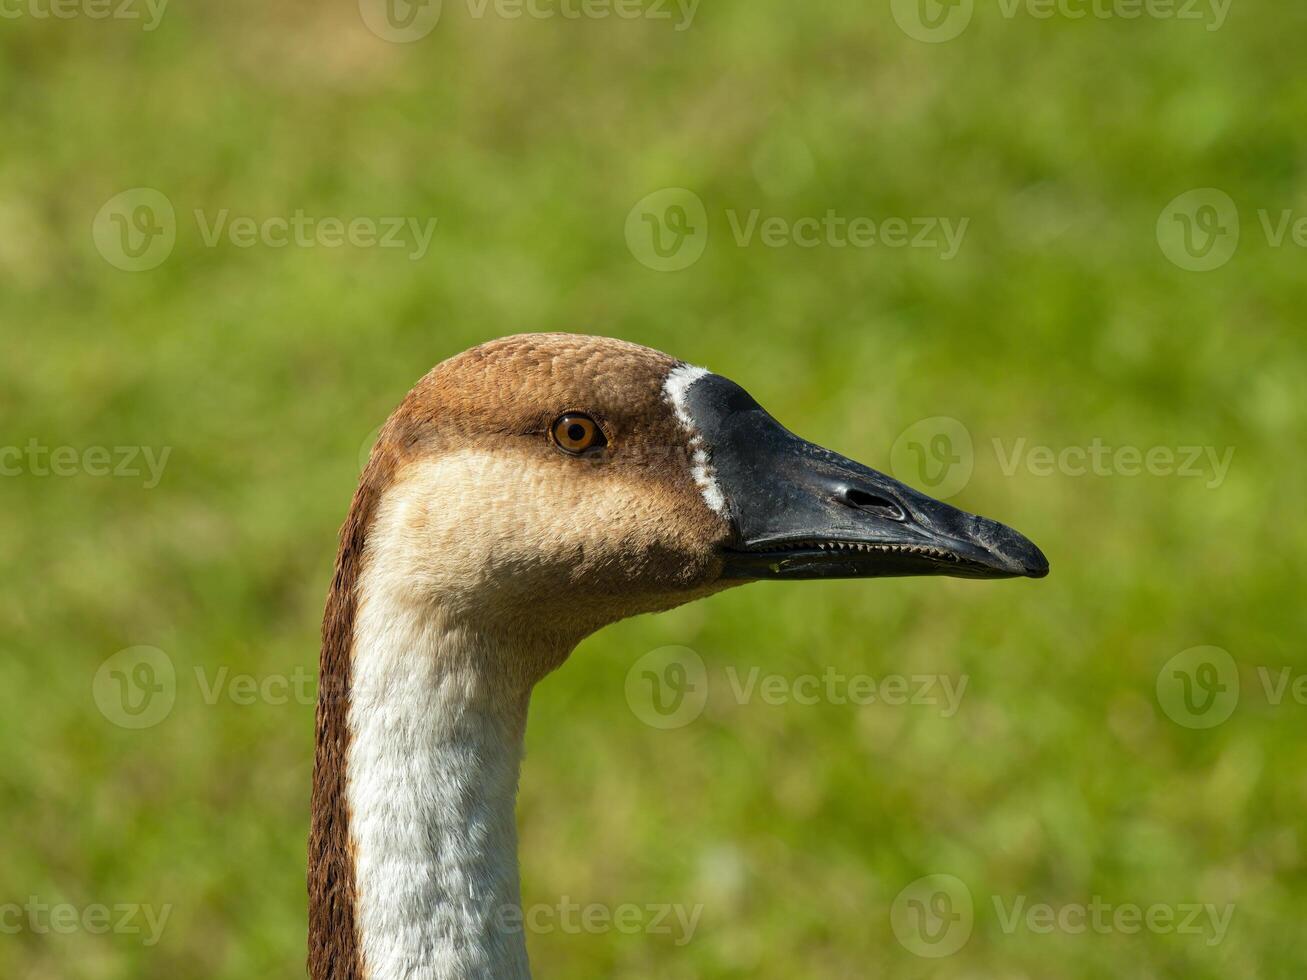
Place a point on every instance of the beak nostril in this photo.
(863, 500)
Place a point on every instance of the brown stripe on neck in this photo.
(334, 947)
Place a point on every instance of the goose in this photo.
(524, 494)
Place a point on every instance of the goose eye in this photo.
(576, 433)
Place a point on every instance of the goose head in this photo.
(526, 493)
(556, 483)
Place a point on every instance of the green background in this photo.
(1060, 321)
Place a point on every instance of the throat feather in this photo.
(432, 786)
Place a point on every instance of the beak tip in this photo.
(1032, 561)
(1012, 549)
(1037, 569)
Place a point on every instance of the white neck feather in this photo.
(436, 740)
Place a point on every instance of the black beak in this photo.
(800, 511)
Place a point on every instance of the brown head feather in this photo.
(632, 533)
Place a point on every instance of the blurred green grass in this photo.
(1060, 321)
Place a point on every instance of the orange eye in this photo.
(574, 433)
